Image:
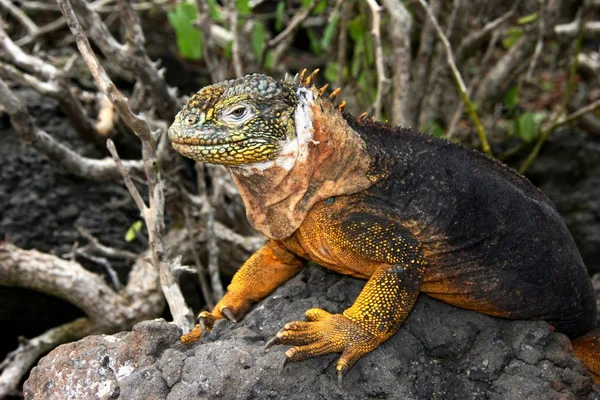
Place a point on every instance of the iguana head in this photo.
(237, 122)
(286, 146)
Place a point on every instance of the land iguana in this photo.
(408, 212)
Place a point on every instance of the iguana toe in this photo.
(325, 333)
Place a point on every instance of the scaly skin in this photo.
(407, 212)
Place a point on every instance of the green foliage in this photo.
(331, 72)
(258, 40)
(527, 19)
(189, 39)
(242, 7)
(213, 11)
(511, 98)
(133, 231)
(433, 128)
(279, 16)
(512, 35)
(329, 31)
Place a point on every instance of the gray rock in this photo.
(441, 352)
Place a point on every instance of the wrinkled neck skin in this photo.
(327, 158)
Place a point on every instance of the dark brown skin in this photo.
(410, 213)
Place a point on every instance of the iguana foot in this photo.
(326, 333)
(206, 321)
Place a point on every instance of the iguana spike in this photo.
(334, 94)
(342, 105)
(302, 73)
(362, 116)
(286, 77)
(311, 77)
(323, 89)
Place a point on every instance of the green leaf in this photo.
(243, 7)
(320, 8)
(527, 19)
(315, 43)
(189, 39)
(259, 35)
(133, 230)
(213, 10)
(513, 34)
(356, 28)
(433, 128)
(526, 127)
(511, 98)
(306, 3)
(547, 86)
(331, 72)
(279, 16)
(269, 59)
(329, 32)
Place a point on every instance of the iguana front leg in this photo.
(262, 273)
(395, 259)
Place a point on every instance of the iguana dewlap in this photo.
(408, 212)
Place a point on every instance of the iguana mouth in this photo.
(225, 152)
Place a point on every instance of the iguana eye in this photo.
(237, 114)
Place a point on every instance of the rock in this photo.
(440, 352)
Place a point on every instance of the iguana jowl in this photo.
(409, 212)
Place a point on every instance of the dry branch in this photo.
(460, 85)
(100, 170)
(154, 213)
(382, 80)
(400, 32)
(138, 301)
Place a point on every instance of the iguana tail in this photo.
(587, 349)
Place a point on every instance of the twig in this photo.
(382, 80)
(112, 274)
(422, 66)
(203, 22)
(400, 32)
(472, 85)
(107, 311)
(539, 45)
(94, 246)
(90, 168)
(558, 118)
(293, 25)
(31, 27)
(152, 214)
(235, 42)
(591, 29)
(200, 271)
(474, 39)
(459, 81)
(343, 40)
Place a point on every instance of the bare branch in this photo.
(591, 30)
(101, 170)
(382, 80)
(153, 214)
(460, 84)
(539, 45)
(217, 73)
(31, 27)
(235, 42)
(400, 32)
(293, 25)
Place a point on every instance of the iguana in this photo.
(408, 212)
